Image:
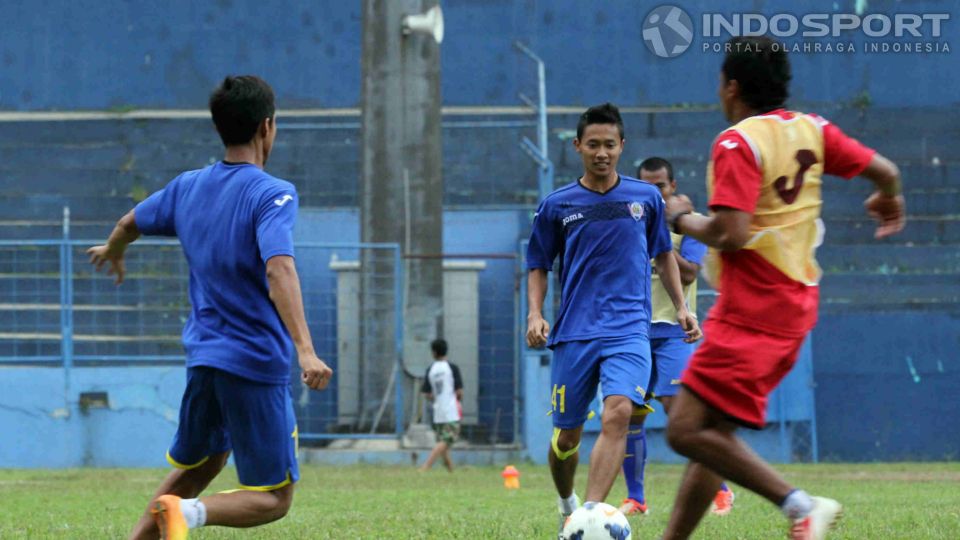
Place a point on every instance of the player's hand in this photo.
(100, 255)
(690, 325)
(890, 213)
(537, 331)
(678, 204)
(314, 372)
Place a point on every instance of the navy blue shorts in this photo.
(621, 365)
(670, 357)
(222, 412)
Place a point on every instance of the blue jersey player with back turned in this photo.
(235, 224)
(605, 229)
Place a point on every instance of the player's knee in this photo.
(565, 443)
(280, 503)
(568, 440)
(617, 412)
(678, 437)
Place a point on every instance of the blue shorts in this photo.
(670, 357)
(621, 365)
(222, 412)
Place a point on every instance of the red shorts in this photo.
(736, 368)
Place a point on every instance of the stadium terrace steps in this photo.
(890, 259)
(52, 229)
(90, 318)
(137, 285)
(916, 176)
(99, 330)
(920, 230)
(120, 158)
(99, 168)
(25, 347)
(891, 121)
(44, 207)
(890, 289)
(940, 202)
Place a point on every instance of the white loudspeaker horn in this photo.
(430, 22)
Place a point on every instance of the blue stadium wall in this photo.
(885, 361)
(66, 55)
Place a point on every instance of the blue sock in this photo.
(635, 462)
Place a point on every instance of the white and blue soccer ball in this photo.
(596, 521)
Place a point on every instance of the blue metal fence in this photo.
(59, 313)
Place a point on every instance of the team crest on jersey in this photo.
(636, 210)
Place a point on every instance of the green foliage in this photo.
(121, 108)
(916, 501)
(138, 193)
(861, 101)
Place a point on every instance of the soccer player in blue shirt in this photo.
(235, 224)
(605, 228)
(668, 347)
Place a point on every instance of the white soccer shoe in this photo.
(565, 515)
(821, 519)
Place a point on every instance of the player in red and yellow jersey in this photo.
(763, 184)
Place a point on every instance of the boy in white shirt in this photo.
(442, 385)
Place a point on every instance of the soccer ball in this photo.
(596, 521)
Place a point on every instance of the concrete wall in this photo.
(115, 54)
(44, 426)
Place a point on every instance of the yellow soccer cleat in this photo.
(166, 513)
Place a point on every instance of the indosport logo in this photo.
(667, 31)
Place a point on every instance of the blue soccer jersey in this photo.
(230, 219)
(604, 242)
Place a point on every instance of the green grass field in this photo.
(882, 501)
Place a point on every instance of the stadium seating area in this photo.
(99, 168)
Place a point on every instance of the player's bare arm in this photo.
(688, 270)
(537, 327)
(124, 233)
(725, 228)
(285, 295)
(886, 204)
(666, 264)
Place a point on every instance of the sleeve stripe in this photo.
(816, 121)
(753, 147)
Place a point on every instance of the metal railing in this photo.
(59, 313)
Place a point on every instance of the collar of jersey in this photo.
(615, 186)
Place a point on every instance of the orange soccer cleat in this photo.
(722, 502)
(632, 507)
(166, 512)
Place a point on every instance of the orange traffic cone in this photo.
(511, 477)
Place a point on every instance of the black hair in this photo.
(439, 347)
(238, 107)
(653, 164)
(608, 113)
(761, 67)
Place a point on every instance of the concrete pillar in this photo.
(401, 188)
